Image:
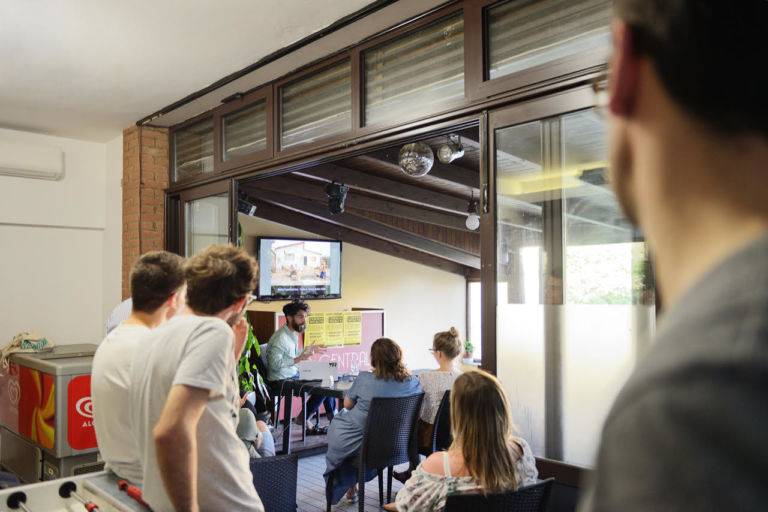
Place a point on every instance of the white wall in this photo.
(60, 257)
(418, 300)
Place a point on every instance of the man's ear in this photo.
(625, 71)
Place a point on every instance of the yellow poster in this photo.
(334, 329)
(353, 328)
(315, 332)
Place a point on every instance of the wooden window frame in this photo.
(264, 94)
(172, 145)
(354, 84)
(404, 31)
(555, 71)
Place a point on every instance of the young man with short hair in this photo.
(184, 392)
(158, 292)
(689, 161)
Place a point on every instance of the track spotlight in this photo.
(337, 193)
(450, 151)
(244, 206)
(416, 159)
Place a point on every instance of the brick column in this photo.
(145, 178)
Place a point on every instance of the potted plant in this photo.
(469, 348)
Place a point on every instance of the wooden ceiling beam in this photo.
(316, 190)
(378, 186)
(447, 172)
(374, 229)
(298, 220)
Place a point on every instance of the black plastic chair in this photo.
(533, 498)
(275, 480)
(441, 433)
(389, 438)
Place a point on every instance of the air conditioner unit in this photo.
(25, 160)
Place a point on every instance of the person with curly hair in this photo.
(389, 378)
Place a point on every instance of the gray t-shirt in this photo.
(194, 351)
(687, 431)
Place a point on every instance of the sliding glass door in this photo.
(571, 279)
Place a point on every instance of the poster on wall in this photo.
(353, 328)
(334, 329)
(315, 332)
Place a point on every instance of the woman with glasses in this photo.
(485, 455)
(447, 349)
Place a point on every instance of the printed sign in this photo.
(315, 332)
(353, 328)
(334, 329)
(80, 432)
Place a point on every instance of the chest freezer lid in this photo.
(62, 360)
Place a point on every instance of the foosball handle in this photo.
(17, 500)
(68, 489)
(132, 492)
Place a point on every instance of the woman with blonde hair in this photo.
(447, 349)
(389, 378)
(485, 456)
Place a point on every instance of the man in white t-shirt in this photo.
(184, 392)
(158, 291)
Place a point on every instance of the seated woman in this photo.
(484, 456)
(389, 378)
(447, 348)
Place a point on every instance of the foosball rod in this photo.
(17, 500)
(68, 489)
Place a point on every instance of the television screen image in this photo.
(298, 268)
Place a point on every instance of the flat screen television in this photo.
(296, 268)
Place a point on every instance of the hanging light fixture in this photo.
(473, 219)
(416, 159)
(450, 151)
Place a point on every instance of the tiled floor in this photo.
(310, 490)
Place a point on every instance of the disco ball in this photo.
(416, 159)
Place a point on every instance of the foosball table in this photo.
(93, 492)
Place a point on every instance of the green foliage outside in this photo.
(245, 370)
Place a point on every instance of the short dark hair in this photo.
(294, 307)
(707, 54)
(154, 277)
(217, 277)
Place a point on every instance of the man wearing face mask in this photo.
(283, 355)
(184, 396)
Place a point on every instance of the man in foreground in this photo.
(184, 395)
(157, 291)
(689, 160)
(283, 355)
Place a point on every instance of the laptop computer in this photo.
(318, 370)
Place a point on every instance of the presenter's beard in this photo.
(297, 328)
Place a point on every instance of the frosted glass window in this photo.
(409, 76)
(193, 150)
(599, 316)
(245, 131)
(317, 106)
(207, 222)
(526, 33)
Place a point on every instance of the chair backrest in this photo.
(275, 480)
(441, 434)
(533, 498)
(389, 437)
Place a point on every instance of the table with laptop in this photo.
(316, 378)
